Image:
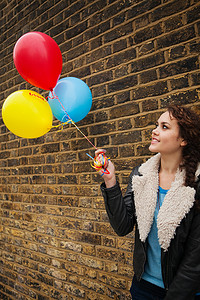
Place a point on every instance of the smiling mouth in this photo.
(154, 140)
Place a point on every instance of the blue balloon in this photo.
(76, 99)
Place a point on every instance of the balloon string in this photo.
(70, 120)
(61, 125)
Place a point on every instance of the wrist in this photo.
(110, 182)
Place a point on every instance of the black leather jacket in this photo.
(180, 263)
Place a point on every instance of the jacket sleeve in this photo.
(187, 280)
(120, 209)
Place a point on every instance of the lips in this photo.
(154, 140)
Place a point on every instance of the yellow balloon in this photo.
(27, 114)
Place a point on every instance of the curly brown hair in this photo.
(189, 125)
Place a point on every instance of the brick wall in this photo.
(137, 57)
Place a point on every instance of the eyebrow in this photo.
(163, 123)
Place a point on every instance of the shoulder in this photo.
(135, 172)
(197, 194)
(150, 165)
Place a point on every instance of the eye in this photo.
(165, 126)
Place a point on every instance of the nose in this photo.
(155, 131)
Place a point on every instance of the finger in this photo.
(99, 151)
(103, 160)
(103, 172)
(106, 165)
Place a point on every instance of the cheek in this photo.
(171, 141)
(171, 137)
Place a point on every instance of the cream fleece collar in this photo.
(177, 203)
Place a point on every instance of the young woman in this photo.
(162, 201)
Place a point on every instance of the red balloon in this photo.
(38, 59)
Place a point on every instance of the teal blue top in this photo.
(152, 271)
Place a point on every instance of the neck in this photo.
(170, 163)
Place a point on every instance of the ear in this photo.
(183, 143)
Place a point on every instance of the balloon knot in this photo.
(98, 164)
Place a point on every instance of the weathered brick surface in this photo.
(137, 57)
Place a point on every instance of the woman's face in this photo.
(166, 137)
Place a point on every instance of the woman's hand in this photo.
(110, 179)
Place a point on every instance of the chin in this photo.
(152, 149)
